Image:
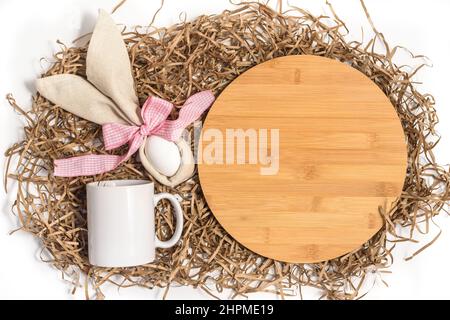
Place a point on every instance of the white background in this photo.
(28, 32)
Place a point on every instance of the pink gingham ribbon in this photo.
(154, 115)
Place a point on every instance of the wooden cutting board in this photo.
(342, 154)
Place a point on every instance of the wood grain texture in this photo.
(342, 155)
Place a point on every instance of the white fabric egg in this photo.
(163, 155)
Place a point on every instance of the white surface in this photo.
(28, 32)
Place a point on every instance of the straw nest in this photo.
(173, 63)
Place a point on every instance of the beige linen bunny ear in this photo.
(81, 98)
(109, 96)
(109, 68)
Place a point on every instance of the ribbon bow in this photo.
(154, 114)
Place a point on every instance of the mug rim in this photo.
(121, 184)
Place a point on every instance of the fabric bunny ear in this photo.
(81, 98)
(109, 96)
(109, 68)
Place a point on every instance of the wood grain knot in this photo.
(297, 76)
(312, 251)
(310, 173)
(372, 222)
(383, 189)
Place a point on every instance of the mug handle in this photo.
(179, 221)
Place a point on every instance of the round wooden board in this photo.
(342, 154)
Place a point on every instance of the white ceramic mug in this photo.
(121, 223)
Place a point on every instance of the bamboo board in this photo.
(342, 154)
